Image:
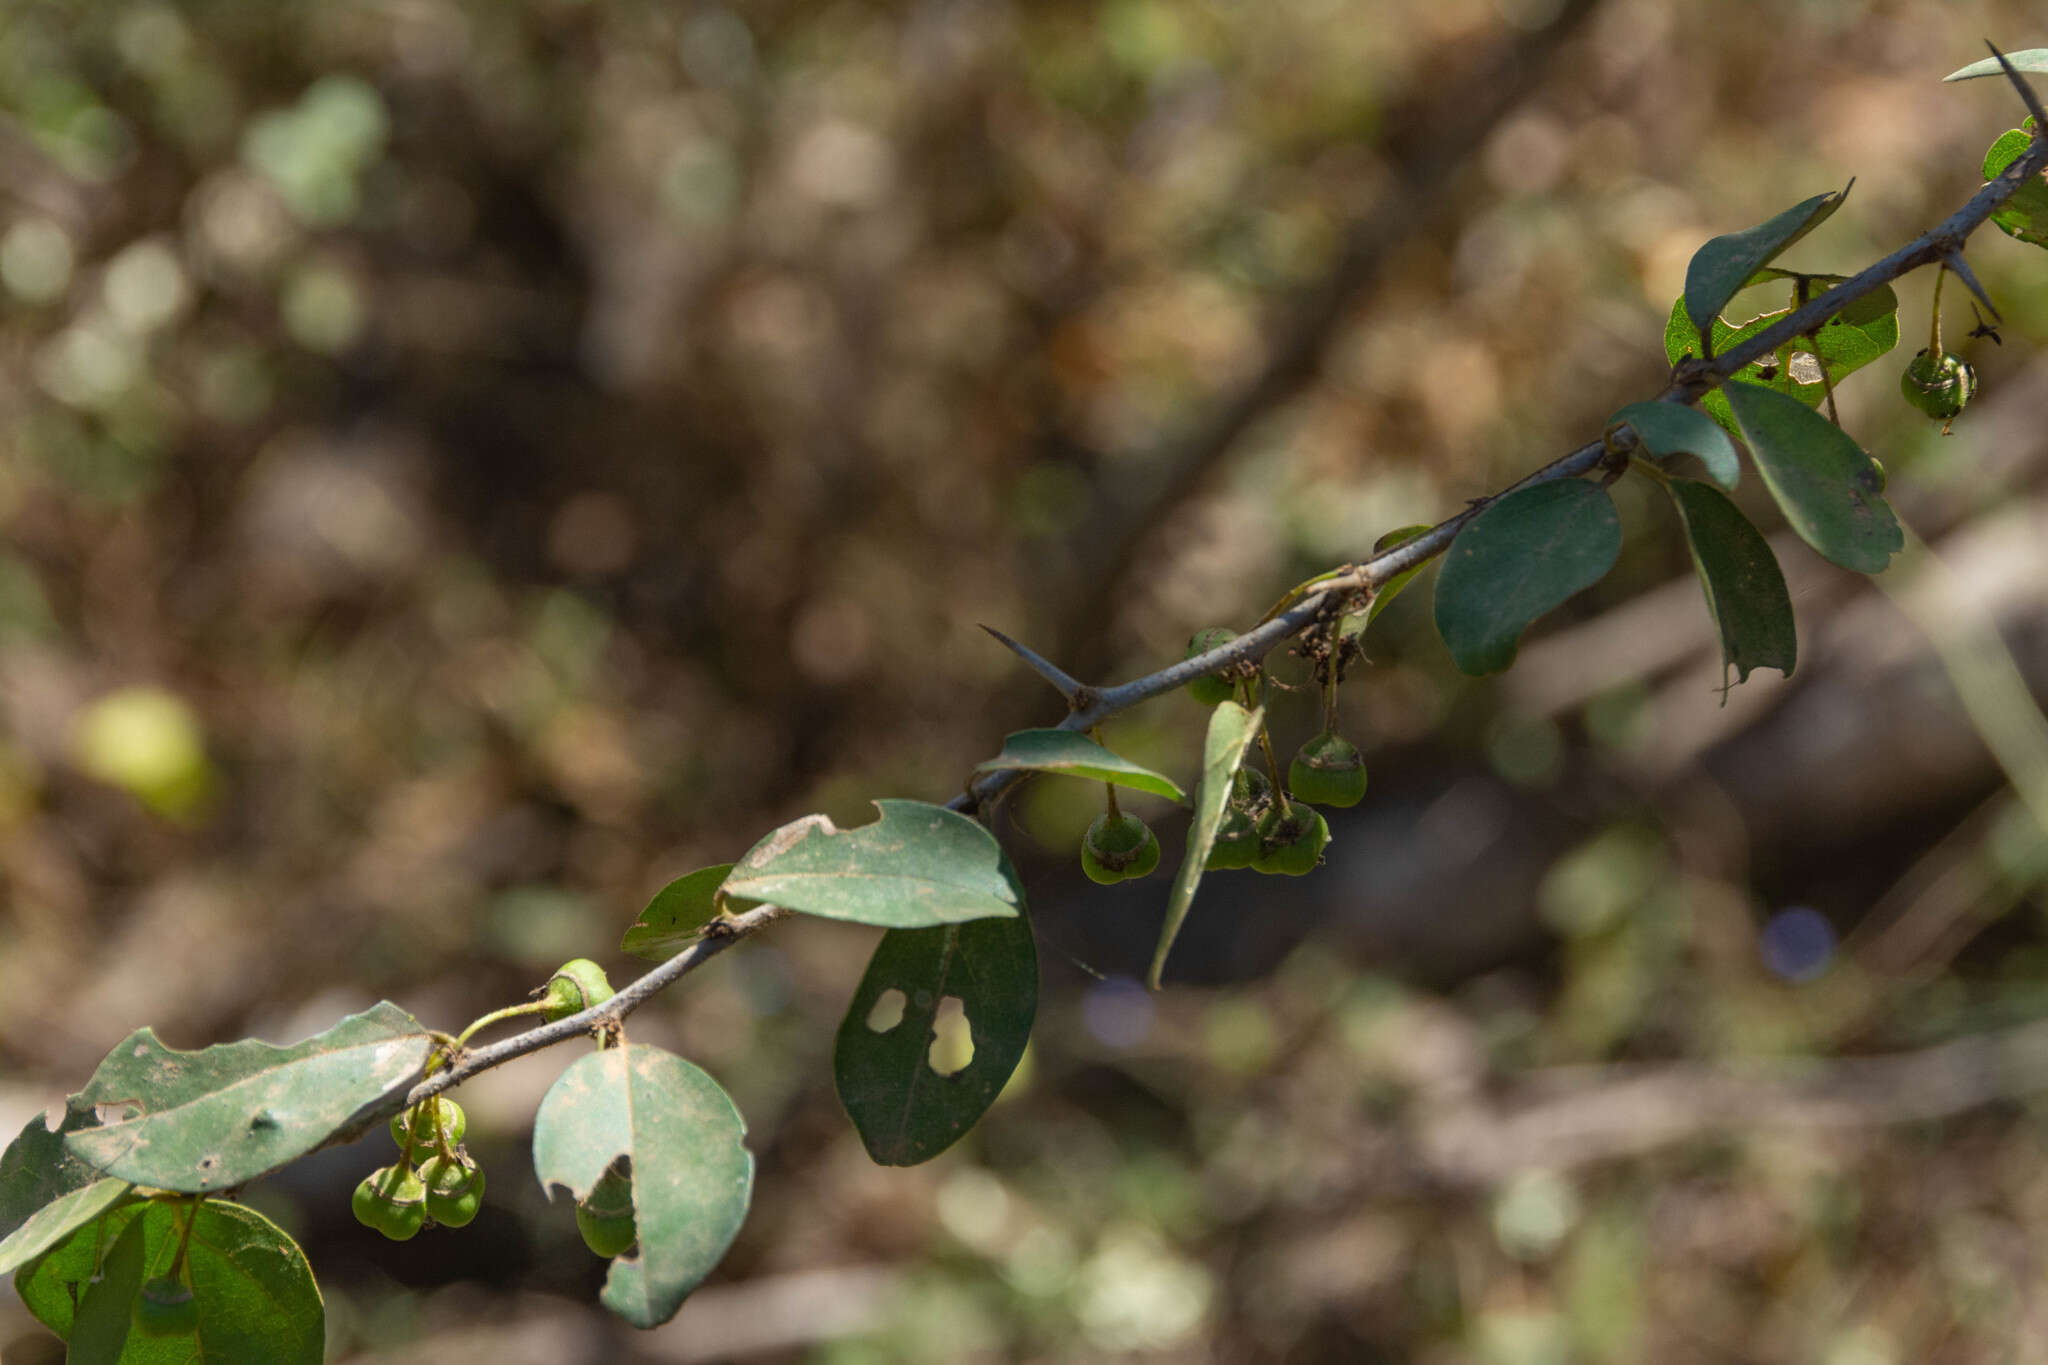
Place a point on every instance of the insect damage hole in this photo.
(952, 1048)
(887, 1011)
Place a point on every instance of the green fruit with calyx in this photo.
(1211, 687)
(1327, 771)
(1292, 839)
(391, 1201)
(1237, 838)
(605, 1216)
(165, 1308)
(423, 1118)
(1117, 848)
(1938, 385)
(574, 988)
(455, 1190)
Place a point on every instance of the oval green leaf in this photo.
(1724, 265)
(692, 1174)
(45, 1191)
(904, 1110)
(59, 1218)
(1745, 591)
(2025, 215)
(255, 1292)
(1846, 343)
(1074, 754)
(1826, 485)
(2033, 59)
(917, 866)
(1231, 728)
(1525, 553)
(1668, 429)
(675, 918)
(219, 1117)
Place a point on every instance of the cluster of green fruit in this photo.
(1265, 832)
(447, 1188)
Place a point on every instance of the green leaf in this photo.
(692, 1174)
(99, 1328)
(2033, 59)
(904, 1109)
(672, 920)
(1392, 587)
(917, 866)
(1231, 728)
(1076, 755)
(255, 1292)
(1724, 265)
(1827, 486)
(216, 1118)
(1668, 429)
(1846, 343)
(45, 1192)
(59, 1218)
(2025, 215)
(1525, 553)
(1745, 591)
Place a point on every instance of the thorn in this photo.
(1983, 328)
(1068, 687)
(2027, 95)
(1961, 270)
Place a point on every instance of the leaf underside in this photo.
(1670, 429)
(1231, 728)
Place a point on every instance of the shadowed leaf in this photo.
(1745, 591)
(1525, 553)
(1725, 264)
(1826, 485)
(1231, 728)
(1668, 429)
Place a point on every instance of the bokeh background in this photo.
(463, 464)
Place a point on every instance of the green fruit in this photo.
(1327, 771)
(574, 988)
(1293, 837)
(455, 1190)
(1882, 479)
(392, 1202)
(165, 1308)
(1237, 838)
(1938, 385)
(1213, 687)
(605, 1217)
(1118, 848)
(447, 1113)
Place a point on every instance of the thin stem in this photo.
(498, 1016)
(1934, 325)
(1116, 817)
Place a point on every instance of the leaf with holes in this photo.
(1075, 755)
(917, 866)
(2025, 215)
(46, 1193)
(2033, 59)
(675, 918)
(1827, 487)
(692, 1173)
(1525, 553)
(1745, 591)
(208, 1120)
(1231, 728)
(1669, 429)
(1859, 334)
(903, 1108)
(1724, 265)
(253, 1289)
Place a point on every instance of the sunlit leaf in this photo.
(216, 1118)
(1846, 343)
(691, 1172)
(1745, 591)
(917, 866)
(2033, 59)
(2025, 215)
(673, 920)
(1828, 488)
(1231, 729)
(1668, 429)
(1523, 554)
(1725, 264)
(903, 1108)
(1073, 754)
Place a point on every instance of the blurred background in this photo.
(464, 464)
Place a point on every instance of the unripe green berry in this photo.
(1237, 838)
(391, 1201)
(574, 988)
(1328, 771)
(1938, 385)
(165, 1308)
(455, 1190)
(1293, 837)
(605, 1217)
(1118, 848)
(1214, 687)
(424, 1117)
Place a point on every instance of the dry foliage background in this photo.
(527, 450)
